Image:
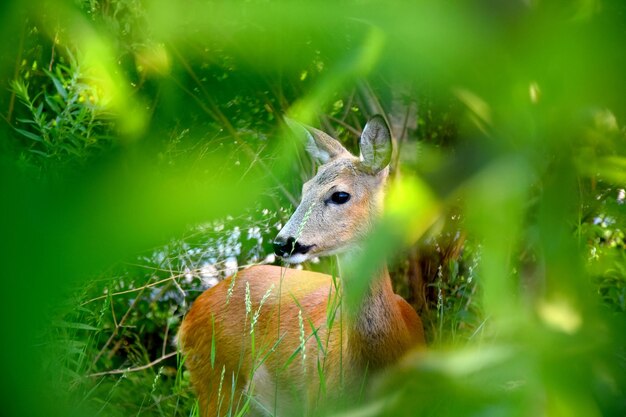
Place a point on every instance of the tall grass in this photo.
(167, 114)
(113, 368)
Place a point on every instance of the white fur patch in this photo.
(298, 258)
(262, 388)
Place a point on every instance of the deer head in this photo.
(340, 203)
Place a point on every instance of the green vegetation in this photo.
(65, 124)
(144, 158)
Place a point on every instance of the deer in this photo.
(272, 340)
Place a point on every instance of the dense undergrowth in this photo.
(522, 274)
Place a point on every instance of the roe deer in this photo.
(275, 340)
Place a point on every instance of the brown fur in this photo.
(347, 350)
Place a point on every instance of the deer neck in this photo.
(372, 324)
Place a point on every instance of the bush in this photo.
(507, 235)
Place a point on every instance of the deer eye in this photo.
(340, 197)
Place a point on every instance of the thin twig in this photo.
(152, 284)
(256, 159)
(133, 290)
(136, 369)
(348, 106)
(345, 125)
(116, 330)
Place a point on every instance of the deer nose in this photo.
(289, 247)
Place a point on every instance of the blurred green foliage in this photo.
(133, 129)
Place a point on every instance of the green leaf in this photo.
(28, 134)
(79, 326)
(57, 84)
(70, 150)
(54, 106)
(26, 121)
(39, 153)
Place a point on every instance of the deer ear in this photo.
(319, 145)
(376, 145)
